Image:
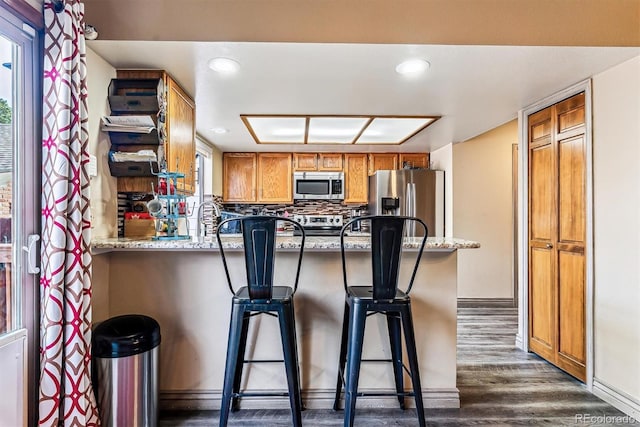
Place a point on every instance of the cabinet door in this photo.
(239, 177)
(305, 161)
(414, 160)
(275, 178)
(382, 161)
(180, 146)
(330, 162)
(356, 178)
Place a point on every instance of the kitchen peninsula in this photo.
(182, 285)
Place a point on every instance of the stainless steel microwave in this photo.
(318, 185)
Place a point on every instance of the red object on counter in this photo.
(137, 215)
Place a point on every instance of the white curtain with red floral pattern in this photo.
(66, 396)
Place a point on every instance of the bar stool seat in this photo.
(382, 297)
(260, 296)
(281, 293)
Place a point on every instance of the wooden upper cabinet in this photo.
(356, 178)
(317, 162)
(305, 161)
(239, 177)
(330, 162)
(413, 160)
(382, 161)
(180, 146)
(275, 178)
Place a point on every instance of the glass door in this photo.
(19, 219)
(7, 293)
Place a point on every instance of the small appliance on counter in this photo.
(230, 227)
(319, 225)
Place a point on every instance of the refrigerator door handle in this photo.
(414, 210)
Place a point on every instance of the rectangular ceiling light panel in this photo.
(337, 130)
(276, 130)
(392, 130)
(311, 129)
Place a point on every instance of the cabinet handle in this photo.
(549, 246)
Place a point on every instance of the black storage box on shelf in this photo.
(132, 168)
(127, 96)
(131, 138)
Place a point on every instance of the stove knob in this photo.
(330, 219)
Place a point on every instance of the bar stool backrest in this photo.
(387, 236)
(259, 239)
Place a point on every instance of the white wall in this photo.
(442, 159)
(103, 186)
(616, 150)
(482, 211)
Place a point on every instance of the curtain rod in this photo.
(58, 6)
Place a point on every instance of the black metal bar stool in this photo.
(260, 296)
(384, 297)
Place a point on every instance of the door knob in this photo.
(549, 246)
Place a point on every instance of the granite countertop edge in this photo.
(282, 242)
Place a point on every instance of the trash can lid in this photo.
(125, 335)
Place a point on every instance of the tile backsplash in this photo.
(299, 207)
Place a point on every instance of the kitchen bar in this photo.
(181, 284)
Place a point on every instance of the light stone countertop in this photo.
(284, 242)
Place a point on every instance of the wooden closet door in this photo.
(542, 295)
(557, 235)
(570, 246)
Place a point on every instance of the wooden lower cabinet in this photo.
(557, 233)
(356, 178)
(275, 179)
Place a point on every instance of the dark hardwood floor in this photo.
(499, 386)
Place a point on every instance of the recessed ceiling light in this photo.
(220, 130)
(412, 67)
(224, 65)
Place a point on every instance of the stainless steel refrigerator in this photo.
(410, 192)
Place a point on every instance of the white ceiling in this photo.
(473, 88)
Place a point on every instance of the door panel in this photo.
(542, 301)
(571, 173)
(239, 171)
(275, 179)
(571, 305)
(541, 193)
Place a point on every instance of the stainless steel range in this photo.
(320, 225)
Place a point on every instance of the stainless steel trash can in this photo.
(125, 359)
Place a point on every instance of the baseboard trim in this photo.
(519, 342)
(486, 303)
(313, 399)
(619, 399)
